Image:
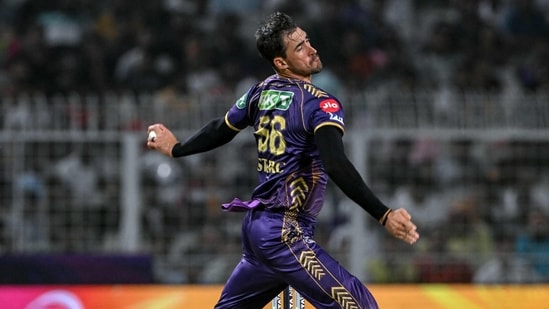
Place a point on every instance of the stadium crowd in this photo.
(196, 46)
(493, 227)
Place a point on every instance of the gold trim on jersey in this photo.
(229, 124)
(299, 193)
(315, 91)
(328, 123)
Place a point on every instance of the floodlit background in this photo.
(447, 115)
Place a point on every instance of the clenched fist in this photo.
(399, 224)
(163, 140)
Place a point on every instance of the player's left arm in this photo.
(329, 141)
(214, 134)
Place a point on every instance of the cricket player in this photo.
(298, 129)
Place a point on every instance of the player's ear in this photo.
(279, 63)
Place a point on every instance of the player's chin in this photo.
(317, 63)
(316, 69)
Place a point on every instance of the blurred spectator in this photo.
(525, 24)
(469, 237)
(141, 68)
(79, 173)
(30, 113)
(200, 75)
(394, 165)
(27, 62)
(241, 7)
(454, 163)
(477, 75)
(365, 43)
(533, 71)
(395, 265)
(28, 226)
(461, 243)
(63, 22)
(71, 75)
(540, 191)
(426, 207)
(532, 245)
(491, 11)
(213, 241)
(504, 267)
(17, 115)
(59, 208)
(94, 60)
(434, 265)
(230, 45)
(439, 54)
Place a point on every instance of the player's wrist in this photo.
(176, 150)
(385, 217)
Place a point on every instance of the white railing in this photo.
(127, 111)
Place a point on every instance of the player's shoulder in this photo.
(320, 98)
(316, 92)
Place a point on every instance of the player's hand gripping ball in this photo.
(152, 136)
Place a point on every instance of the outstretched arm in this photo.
(343, 173)
(214, 134)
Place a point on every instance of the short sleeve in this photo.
(327, 111)
(237, 118)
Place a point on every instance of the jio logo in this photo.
(329, 106)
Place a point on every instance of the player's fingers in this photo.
(412, 238)
(404, 229)
(157, 127)
(152, 136)
(411, 235)
(151, 143)
(410, 226)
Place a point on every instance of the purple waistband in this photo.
(238, 205)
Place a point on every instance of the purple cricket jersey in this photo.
(284, 114)
(278, 229)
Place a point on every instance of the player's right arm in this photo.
(214, 134)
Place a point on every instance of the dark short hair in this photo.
(270, 35)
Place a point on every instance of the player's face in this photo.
(301, 59)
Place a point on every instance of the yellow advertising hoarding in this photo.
(201, 297)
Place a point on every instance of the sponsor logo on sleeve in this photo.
(241, 103)
(329, 106)
(336, 117)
